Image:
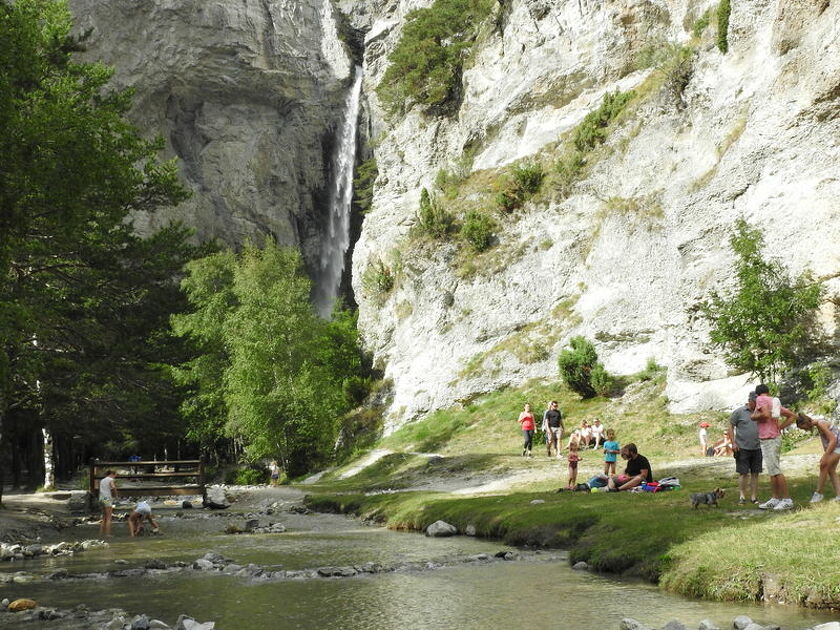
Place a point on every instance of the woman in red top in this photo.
(526, 421)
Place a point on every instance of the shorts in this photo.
(771, 449)
(106, 502)
(573, 465)
(554, 433)
(747, 461)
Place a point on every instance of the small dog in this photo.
(707, 498)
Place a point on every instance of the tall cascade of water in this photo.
(337, 238)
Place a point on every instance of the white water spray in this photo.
(337, 239)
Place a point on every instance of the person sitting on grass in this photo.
(574, 439)
(597, 433)
(723, 447)
(574, 458)
(830, 438)
(585, 434)
(135, 519)
(638, 470)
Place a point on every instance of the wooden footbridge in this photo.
(131, 482)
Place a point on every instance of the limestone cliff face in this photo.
(246, 95)
(624, 258)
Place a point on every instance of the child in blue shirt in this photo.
(611, 451)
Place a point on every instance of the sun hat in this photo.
(705, 424)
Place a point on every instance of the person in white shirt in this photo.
(107, 494)
(135, 519)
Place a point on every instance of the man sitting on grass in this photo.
(638, 470)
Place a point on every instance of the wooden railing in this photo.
(187, 469)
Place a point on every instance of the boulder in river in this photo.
(631, 624)
(582, 566)
(674, 625)
(22, 604)
(708, 624)
(441, 528)
(188, 623)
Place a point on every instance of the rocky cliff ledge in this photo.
(246, 94)
(624, 254)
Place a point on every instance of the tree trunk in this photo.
(49, 460)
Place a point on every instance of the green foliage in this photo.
(581, 371)
(521, 184)
(568, 171)
(432, 218)
(602, 382)
(594, 128)
(426, 64)
(363, 184)
(267, 371)
(84, 303)
(478, 231)
(703, 22)
(723, 11)
(378, 280)
(246, 476)
(652, 370)
(768, 322)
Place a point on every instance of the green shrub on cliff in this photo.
(724, 9)
(523, 182)
(432, 218)
(426, 64)
(478, 231)
(581, 371)
(593, 130)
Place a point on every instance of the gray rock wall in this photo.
(246, 95)
(625, 258)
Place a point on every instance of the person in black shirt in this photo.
(638, 470)
(553, 428)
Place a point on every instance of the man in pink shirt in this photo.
(770, 438)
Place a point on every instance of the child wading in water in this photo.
(611, 451)
(830, 438)
(574, 458)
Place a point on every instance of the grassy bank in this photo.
(730, 553)
(734, 552)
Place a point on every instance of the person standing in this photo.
(746, 447)
(553, 427)
(703, 434)
(274, 469)
(574, 458)
(526, 422)
(770, 438)
(830, 438)
(107, 494)
(611, 450)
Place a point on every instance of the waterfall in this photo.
(337, 238)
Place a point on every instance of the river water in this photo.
(538, 591)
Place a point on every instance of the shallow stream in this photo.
(538, 591)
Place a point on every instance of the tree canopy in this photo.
(767, 323)
(84, 302)
(266, 369)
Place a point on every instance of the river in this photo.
(539, 590)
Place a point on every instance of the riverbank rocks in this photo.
(708, 624)
(22, 604)
(631, 624)
(674, 625)
(439, 529)
(16, 551)
(580, 566)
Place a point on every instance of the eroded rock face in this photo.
(246, 95)
(626, 257)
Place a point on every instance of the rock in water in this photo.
(441, 528)
(22, 604)
(740, 622)
(631, 624)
